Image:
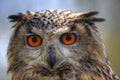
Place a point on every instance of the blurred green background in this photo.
(109, 30)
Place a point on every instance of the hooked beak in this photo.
(51, 56)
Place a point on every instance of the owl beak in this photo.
(51, 56)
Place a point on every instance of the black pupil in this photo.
(68, 37)
(34, 39)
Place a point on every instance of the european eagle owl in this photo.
(57, 45)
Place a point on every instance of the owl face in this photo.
(50, 51)
(53, 43)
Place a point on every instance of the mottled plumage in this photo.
(84, 58)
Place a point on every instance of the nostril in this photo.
(51, 56)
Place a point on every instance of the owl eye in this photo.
(68, 38)
(34, 40)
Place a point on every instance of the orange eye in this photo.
(34, 40)
(68, 38)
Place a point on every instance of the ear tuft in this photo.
(88, 17)
(92, 19)
(18, 17)
(89, 14)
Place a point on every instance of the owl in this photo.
(57, 45)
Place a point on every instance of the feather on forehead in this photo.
(52, 19)
(57, 31)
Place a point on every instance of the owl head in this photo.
(54, 43)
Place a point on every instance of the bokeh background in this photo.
(109, 30)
